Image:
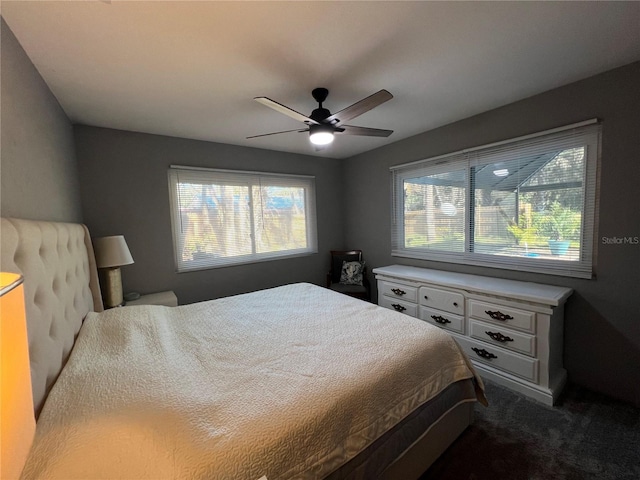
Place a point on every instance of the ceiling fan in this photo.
(322, 125)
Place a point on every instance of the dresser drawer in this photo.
(450, 321)
(442, 300)
(511, 339)
(397, 290)
(501, 315)
(398, 305)
(500, 358)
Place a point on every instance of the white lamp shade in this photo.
(112, 251)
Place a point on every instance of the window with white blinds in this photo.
(224, 217)
(526, 204)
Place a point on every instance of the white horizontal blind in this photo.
(222, 217)
(522, 200)
(430, 206)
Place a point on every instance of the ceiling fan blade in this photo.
(278, 107)
(360, 107)
(369, 132)
(277, 133)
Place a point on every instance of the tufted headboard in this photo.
(60, 287)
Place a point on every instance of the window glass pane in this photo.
(531, 206)
(280, 218)
(434, 211)
(215, 221)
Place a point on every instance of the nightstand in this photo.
(168, 299)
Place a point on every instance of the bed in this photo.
(296, 381)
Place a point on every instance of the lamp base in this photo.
(111, 280)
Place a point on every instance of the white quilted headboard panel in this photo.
(60, 286)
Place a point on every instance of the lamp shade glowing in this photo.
(321, 134)
(17, 418)
(112, 251)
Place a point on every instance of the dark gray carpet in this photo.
(585, 436)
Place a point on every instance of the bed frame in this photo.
(61, 286)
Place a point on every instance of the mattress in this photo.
(372, 462)
(291, 382)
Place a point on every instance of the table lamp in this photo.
(111, 253)
(17, 420)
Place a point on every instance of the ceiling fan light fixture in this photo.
(321, 134)
(322, 125)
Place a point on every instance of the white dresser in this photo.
(512, 331)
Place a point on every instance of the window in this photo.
(223, 217)
(526, 204)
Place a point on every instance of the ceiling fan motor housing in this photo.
(319, 114)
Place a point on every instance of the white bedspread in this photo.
(289, 382)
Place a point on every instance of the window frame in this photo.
(468, 160)
(209, 176)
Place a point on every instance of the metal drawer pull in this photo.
(440, 319)
(397, 291)
(481, 352)
(498, 337)
(455, 304)
(498, 315)
(398, 308)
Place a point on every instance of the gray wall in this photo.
(125, 191)
(602, 318)
(38, 172)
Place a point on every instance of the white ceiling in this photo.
(191, 69)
